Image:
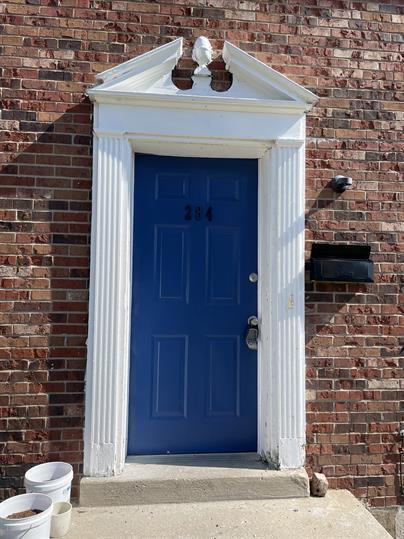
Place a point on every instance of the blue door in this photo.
(193, 381)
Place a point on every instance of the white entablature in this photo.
(149, 75)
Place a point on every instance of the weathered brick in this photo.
(349, 56)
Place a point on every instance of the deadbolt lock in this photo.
(251, 336)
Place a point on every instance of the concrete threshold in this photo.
(193, 478)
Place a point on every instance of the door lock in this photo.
(251, 336)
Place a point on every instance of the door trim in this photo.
(281, 402)
(181, 125)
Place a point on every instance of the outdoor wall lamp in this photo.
(341, 183)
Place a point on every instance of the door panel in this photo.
(171, 262)
(224, 364)
(170, 362)
(193, 381)
(223, 265)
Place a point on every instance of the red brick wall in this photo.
(346, 52)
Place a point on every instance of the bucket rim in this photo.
(34, 519)
(67, 476)
(69, 508)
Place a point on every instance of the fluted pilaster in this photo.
(282, 365)
(109, 308)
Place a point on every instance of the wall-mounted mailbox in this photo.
(349, 263)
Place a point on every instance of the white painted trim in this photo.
(240, 104)
(281, 420)
(147, 78)
(120, 130)
(241, 64)
(107, 376)
(284, 332)
(141, 66)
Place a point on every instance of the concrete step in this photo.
(193, 478)
(338, 515)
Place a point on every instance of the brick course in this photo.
(349, 53)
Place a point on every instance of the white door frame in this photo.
(198, 127)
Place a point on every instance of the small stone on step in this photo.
(318, 485)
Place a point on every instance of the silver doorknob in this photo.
(253, 278)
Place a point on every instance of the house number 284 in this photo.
(196, 213)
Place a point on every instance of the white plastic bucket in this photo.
(61, 516)
(51, 478)
(35, 527)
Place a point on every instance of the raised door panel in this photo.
(171, 262)
(222, 265)
(223, 380)
(170, 376)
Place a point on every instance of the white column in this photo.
(281, 355)
(109, 307)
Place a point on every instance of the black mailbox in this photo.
(349, 263)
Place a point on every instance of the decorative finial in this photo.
(202, 55)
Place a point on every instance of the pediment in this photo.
(150, 76)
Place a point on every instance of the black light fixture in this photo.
(341, 183)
